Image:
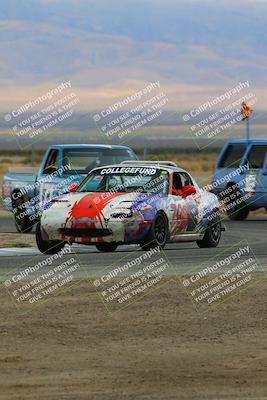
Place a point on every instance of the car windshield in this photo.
(127, 179)
(82, 161)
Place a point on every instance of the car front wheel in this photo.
(212, 235)
(106, 247)
(22, 220)
(237, 209)
(158, 233)
(47, 246)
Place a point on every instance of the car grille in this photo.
(85, 232)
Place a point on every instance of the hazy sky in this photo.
(109, 47)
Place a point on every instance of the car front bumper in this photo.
(114, 230)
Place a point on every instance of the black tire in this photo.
(106, 247)
(47, 246)
(239, 215)
(212, 235)
(239, 211)
(22, 222)
(158, 234)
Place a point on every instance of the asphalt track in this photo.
(184, 257)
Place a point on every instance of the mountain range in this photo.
(111, 48)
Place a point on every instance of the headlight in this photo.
(122, 213)
(50, 203)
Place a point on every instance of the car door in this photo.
(193, 204)
(256, 176)
(183, 211)
(230, 159)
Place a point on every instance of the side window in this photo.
(52, 162)
(181, 179)
(256, 156)
(186, 180)
(233, 156)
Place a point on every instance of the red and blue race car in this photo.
(134, 202)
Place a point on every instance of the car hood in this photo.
(77, 206)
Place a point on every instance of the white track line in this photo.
(33, 251)
(19, 251)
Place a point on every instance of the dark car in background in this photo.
(241, 176)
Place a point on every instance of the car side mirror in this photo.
(188, 190)
(73, 187)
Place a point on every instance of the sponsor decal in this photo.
(128, 170)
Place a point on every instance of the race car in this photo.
(144, 203)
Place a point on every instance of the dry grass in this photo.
(201, 166)
(16, 239)
(197, 164)
(6, 162)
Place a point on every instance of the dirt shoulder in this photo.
(17, 240)
(158, 348)
(13, 239)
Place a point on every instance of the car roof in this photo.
(245, 141)
(139, 164)
(90, 146)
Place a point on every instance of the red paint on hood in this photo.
(90, 206)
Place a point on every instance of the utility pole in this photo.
(246, 112)
(248, 128)
(32, 155)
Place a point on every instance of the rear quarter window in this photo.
(232, 156)
(256, 156)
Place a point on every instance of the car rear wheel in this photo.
(212, 235)
(239, 215)
(237, 209)
(106, 247)
(47, 246)
(158, 233)
(22, 221)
